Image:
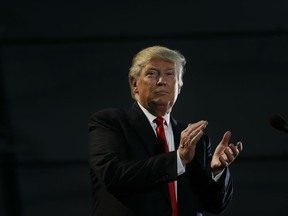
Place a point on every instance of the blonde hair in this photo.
(160, 52)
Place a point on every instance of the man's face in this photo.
(157, 87)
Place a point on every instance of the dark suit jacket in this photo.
(130, 174)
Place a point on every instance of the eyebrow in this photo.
(153, 67)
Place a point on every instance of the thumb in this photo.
(226, 138)
(223, 144)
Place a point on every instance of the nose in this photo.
(161, 81)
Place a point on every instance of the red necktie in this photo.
(161, 137)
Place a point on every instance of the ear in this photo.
(133, 85)
(179, 89)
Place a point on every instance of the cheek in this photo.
(143, 87)
(146, 84)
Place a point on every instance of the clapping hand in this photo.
(225, 153)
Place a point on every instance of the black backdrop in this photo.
(61, 61)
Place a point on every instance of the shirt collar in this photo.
(151, 117)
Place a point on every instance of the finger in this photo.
(229, 155)
(201, 125)
(223, 161)
(196, 138)
(190, 134)
(226, 138)
(239, 146)
(234, 149)
(193, 139)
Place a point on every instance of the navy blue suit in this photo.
(130, 174)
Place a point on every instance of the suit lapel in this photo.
(177, 129)
(140, 123)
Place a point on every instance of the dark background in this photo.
(62, 60)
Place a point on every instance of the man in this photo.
(144, 162)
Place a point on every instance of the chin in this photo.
(164, 106)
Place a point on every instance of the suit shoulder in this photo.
(108, 113)
(109, 116)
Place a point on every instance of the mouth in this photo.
(161, 92)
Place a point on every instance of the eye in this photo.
(152, 73)
(170, 73)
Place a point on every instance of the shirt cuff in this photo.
(180, 167)
(217, 177)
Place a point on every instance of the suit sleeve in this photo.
(110, 162)
(215, 195)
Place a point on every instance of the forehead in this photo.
(160, 63)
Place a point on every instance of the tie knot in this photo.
(159, 121)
